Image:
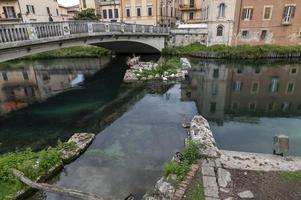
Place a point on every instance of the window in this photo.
(219, 30)
(149, 11)
(257, 70)
(245, 34)
(215, 73)
(25, 76)
(191, 3)
(110, 14)
(138, 12)
(267, 13)
(116, 15)
(294, 71)
(57, 12)
(290, 88)
(221, 10)
(212, 107)
(171, 11)
(247, 13)
(4, 75)
(9, 12)
(237, 86)
(263, 34)
(48, 10)
(128, 12)
(29, 91)
(191, 15)
(214, 89)
(30, 9)
(84, 4)
(252, 106)
(255, 87)
(274, 85)
(288, 13)
(285, 106)
(271, 106)
(104, 14)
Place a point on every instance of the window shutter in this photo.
(243, 14)
(5, 12)
(285, 11)
(293, 11)
(33, 10)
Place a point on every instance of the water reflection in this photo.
(235, 95)
(29, 82)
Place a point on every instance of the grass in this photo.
(190, 156)
(32, 164)
(166, 67)
(292, 176)
(234, 52)
(72, 52)
(195, 192)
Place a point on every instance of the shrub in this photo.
(190, 156)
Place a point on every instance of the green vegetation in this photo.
(234, 52)
(195, 192)
(166, 67)
(87, 14)
(292, 176)
(190, 156)
(72, 52)
(32, 164)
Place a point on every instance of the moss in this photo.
(292, 176)
(33, 164)
(234, 52)
(72, 52)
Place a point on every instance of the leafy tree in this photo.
(87, 14)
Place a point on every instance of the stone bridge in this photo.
(19, 40)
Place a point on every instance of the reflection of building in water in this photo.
(218, 89)
(39, 81)
(209, 83)
(265, 89)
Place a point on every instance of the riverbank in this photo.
(72, 52)
(38, 166)
(221, 174)
(235, 52)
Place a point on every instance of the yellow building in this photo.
(190, 11)
(14, 11)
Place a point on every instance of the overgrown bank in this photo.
(235, 52)
(72, 52)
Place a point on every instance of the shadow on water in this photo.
(248, 103)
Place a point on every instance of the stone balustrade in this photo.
(12, 33)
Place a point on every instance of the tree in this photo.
(87, 14)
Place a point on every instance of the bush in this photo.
(190, 156)
(72, 52)
(234, 52)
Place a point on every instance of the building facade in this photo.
(267, 22)
(219, 16)
(14, 11)
(190, 11)
(109, 10)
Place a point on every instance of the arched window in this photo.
(221, 10)
(219, 30)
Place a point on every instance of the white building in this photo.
(219, 15)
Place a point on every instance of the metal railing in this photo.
(11, 33)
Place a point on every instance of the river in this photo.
(139, 126)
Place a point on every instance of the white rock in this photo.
(246, 194)
(224, 177)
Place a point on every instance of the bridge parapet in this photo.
(15, 33)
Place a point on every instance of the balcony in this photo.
(10, 20)
(187, 7)
(109, 2)
(287, 20)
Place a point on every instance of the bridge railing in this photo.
(10, 33)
